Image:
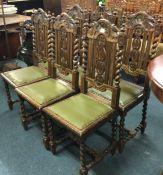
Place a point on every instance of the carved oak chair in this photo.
(85, 112)
(141, 46)
(63, 46)
(27, 75)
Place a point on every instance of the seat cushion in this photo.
(44, 92)
(43, 65)
(79, 112)
(129, 92)
(24, 76)
(68, 77)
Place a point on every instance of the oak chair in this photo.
(140, 48)
(27, 75)
(84, 113)
(131, 6)
(63, 49)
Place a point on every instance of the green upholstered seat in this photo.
(44, 92)
(129, 92)
(160, 49)
(43, 65)
(79, 112)
(69, 77)
(24, 76)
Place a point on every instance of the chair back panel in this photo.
(75, 12)
(114, 16)
(102, 45)
(65, 36)
(140, 35)
(78, 15)
(40, 22)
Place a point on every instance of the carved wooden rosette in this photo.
(140, 32)
(40, 22)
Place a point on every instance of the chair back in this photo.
(65, 46)
(140, 31)
(75, 12)
(114, 16)
(40, 22)
(104, 52)
(79, 15)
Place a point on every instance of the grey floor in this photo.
(22, 152)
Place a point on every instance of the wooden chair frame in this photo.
(63, 48)
(39, 19)
(139, 50)
(95, 71)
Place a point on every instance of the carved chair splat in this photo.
(79, 15)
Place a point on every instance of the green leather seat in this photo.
(69, 77)
(43, 65)
(44, 92)
(80, 112)
(129, 92)
(27, 75)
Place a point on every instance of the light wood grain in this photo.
(13, 19)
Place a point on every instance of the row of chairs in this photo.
(75, 98)
(152, 7)
(115, 15)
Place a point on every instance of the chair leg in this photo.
(45, 131)
(51, 136)
(24, 118)
(144, 116)
(9, 100)
(114, 134)
(121, 133)
(83, 168)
